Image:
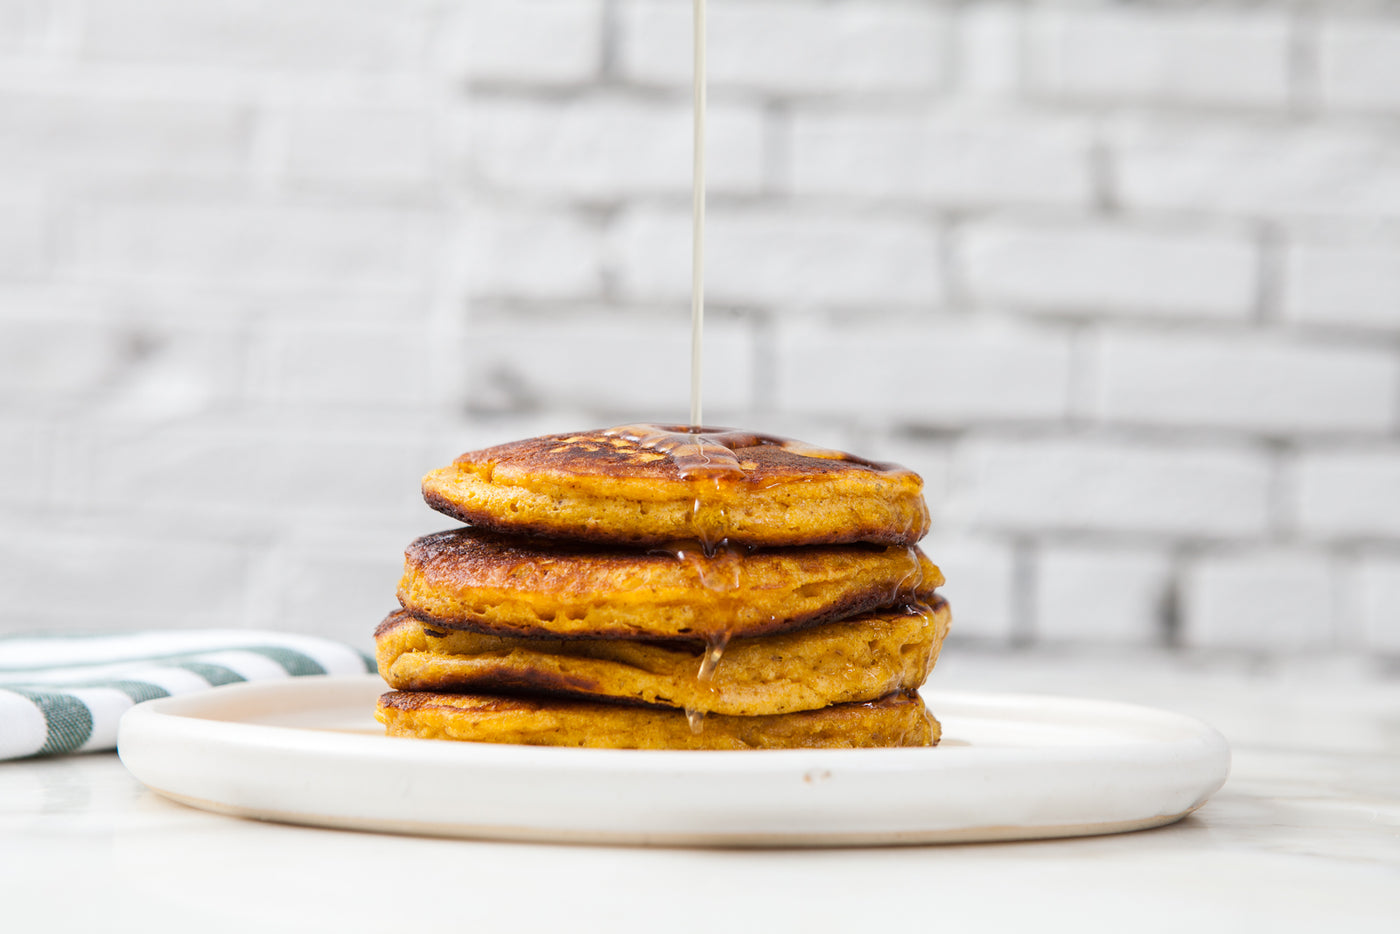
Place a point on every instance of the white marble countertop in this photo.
(1304, 836)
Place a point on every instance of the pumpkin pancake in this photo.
(648, 485)
(897, 720)
(857, 659)
(485, 582)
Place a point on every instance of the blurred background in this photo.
(1121, 280)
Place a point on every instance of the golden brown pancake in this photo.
(897, 720)
(857, 659)
(484, 582)
(645, 485)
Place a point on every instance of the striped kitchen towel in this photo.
(65, 693)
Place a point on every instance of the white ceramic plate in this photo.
(308, 751)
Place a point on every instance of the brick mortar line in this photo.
(888, 102)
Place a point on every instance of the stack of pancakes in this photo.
(654, 588)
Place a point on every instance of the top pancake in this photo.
(645, 485)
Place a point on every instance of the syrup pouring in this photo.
(707, 456)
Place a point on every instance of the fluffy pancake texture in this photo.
(858, 659)
(617, 486)
(897, 720)
(485, 582)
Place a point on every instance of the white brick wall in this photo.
(784, 47)
(1343, 283)
(599, 363)
(65, 577)
(1379, 589)
(534, 42)
(1350, 493)
(989, 49)
(63, 361)
(26, 245)
(1249, 383)
(505, 249)
(21, 23)
(305, 364)
(23, 446)
(215, 472)
(1228, 166)
(1110, 269)
(600, 148)
(1087, 594)
(783, 258)
(103, 135)
(1211, 57)
(359, 146)
(1359, 63)
(248, 244)
(291, 34)
(1081, 485)
(965, 157)
(1279, 601)
(953, 373)
(1120, 278)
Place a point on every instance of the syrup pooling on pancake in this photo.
(712, 452)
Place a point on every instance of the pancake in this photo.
(858, 659)
(485, 582)
(897, 720)
(645, 485)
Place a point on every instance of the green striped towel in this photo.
(65, 693)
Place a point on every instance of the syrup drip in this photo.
(714, 651)
(718, 570)
(709, 663)
(696, 719)
(709, 458)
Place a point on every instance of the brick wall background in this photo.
(1122, 280)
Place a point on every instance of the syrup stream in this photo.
(697, 258)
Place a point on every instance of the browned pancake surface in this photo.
(485, 582)
(898, 720)
(607, 486)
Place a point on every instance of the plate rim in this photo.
(185, 721)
